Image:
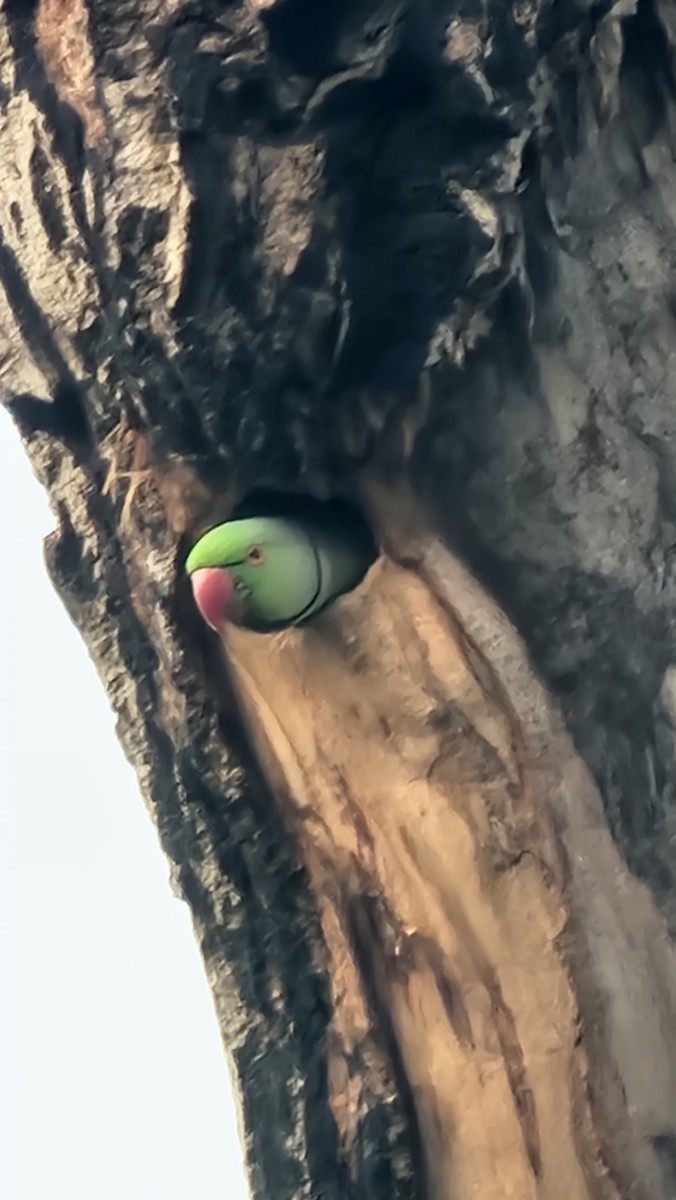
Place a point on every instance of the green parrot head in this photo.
(259, 572)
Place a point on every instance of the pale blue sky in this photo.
(113, 1082)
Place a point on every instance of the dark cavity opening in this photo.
(336, 512)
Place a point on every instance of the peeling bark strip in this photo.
(310, 247)
(64, 45)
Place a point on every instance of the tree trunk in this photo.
(418, 255)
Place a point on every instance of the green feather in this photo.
(286, 570)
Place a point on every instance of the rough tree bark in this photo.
(419, 254)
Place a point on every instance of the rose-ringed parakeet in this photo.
(269, 572)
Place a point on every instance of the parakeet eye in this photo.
(255, 556)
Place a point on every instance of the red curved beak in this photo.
(216, 596)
